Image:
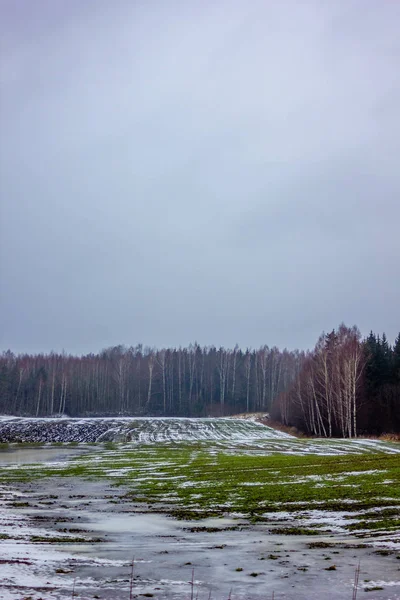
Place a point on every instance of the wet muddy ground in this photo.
(80, 536)
(218, 558)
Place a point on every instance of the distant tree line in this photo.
(191, 381)
(345, 387)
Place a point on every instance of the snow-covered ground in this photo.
(228, 432)
(128, 429)
(250, 560)
(26, 566)
(165, 549)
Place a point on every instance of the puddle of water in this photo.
(146, 523)
(215, 522)
(130, 524)
(27, 456)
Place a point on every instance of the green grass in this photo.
(38, 539)
(23, 445)
(197, 480)
(296, 531)
(256, 484)
(385, 524)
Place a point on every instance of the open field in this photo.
(309, 510)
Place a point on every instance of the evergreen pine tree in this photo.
(396, 360)
(372, 368)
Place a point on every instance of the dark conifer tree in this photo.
(396, 362)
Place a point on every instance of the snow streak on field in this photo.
(145, 429)
(317, 496)
(228, 433)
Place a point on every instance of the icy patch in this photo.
(27, 566)
(380, 583)
(388, 543)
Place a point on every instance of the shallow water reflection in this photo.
(27, 456)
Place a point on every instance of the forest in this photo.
(346, 386)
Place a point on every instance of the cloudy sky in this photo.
(221, 171)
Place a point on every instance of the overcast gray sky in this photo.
(221, 171)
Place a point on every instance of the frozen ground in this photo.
(59, 535)
(230, 432)
(141, 430)
(221, 554)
